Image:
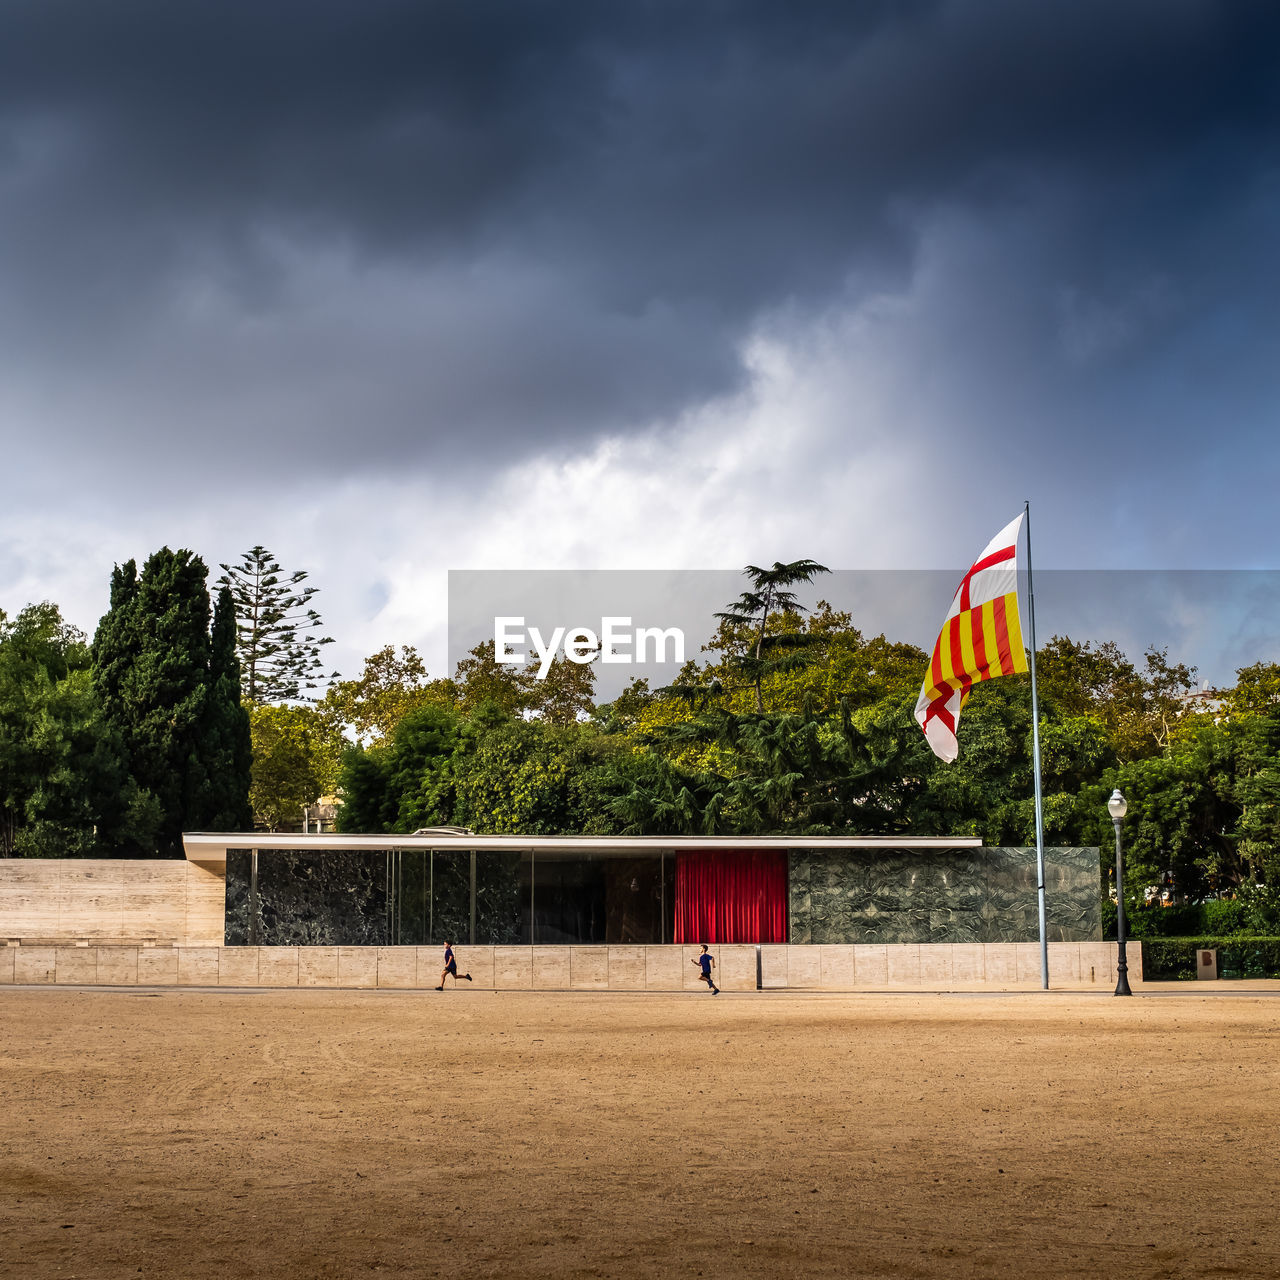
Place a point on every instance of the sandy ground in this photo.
(342, 1134)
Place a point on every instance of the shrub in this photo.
(1224, 916)
(1240, 956)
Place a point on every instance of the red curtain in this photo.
(731, 896)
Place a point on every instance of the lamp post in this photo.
(1117, 807)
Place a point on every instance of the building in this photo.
(558, 913)
(642, 890)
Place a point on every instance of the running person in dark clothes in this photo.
(705, 961)
(450, 967)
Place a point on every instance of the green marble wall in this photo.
(943, 895)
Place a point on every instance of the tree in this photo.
(295, 761)
(226, 743)
(566, 694)
(279, 660)
(419, 767)
(623, 713)
(64, 791)
(390, 687)
(526, 776)
(1138, 708)
(1257, 797)
(837, 666)
(1257, 689)
(643, 793)
(151, 657)
(760, 653)
(369, 803)
(480, 678)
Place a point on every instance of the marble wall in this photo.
(942, 895)
(341, 899)
(304, 900)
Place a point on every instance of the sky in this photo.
(400, 288)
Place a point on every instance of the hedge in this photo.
(1238, 957)
(1217, 918)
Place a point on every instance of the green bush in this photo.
(1216, 918)
(1169, 922)
(1224, 916)
(1157, 922)
(1238, 957)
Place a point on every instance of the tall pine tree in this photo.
(279, 659)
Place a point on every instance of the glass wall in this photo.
(506, 898)
(419, 897)
(579, 898)
(434, 896)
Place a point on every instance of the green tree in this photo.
(838, 666)
(369, 802)
(279, 657)
(296, 759)
(1139, 708)
(1257, 689)
(226, 743)
(566, 695)
(988, 791)
(390, 687)
(525, 776)
(151, 670)
(480, 678)
(64, 791)
(643, 793)
(1257, 797)
(760, 652)
(622, 715)
(419, 767)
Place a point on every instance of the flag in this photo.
(980, 639)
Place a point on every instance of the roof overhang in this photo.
(212, 847)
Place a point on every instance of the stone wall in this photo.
(904, 967)
(942, 896)
(305, 900)
(341, 899)
(107, 900)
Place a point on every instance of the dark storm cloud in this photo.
(442, 226)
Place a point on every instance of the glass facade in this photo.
(582, 898)
(412, 897)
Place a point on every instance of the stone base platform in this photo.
(895, 966)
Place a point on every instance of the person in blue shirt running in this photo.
(450, 967)
(705, 961)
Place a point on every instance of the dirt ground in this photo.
(467, 1134)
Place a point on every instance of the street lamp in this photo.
(1117, 807)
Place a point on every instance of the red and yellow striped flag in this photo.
(981, 639)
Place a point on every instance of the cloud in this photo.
(449, 229)
(396, 288)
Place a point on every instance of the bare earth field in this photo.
(467, 1134)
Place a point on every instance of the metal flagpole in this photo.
(1035, 750)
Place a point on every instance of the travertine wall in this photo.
(910, 966)
(72, 900)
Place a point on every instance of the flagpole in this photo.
(1035, 751)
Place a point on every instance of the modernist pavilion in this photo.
(247, 909)
(448, 884)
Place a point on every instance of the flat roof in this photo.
(212, 846)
